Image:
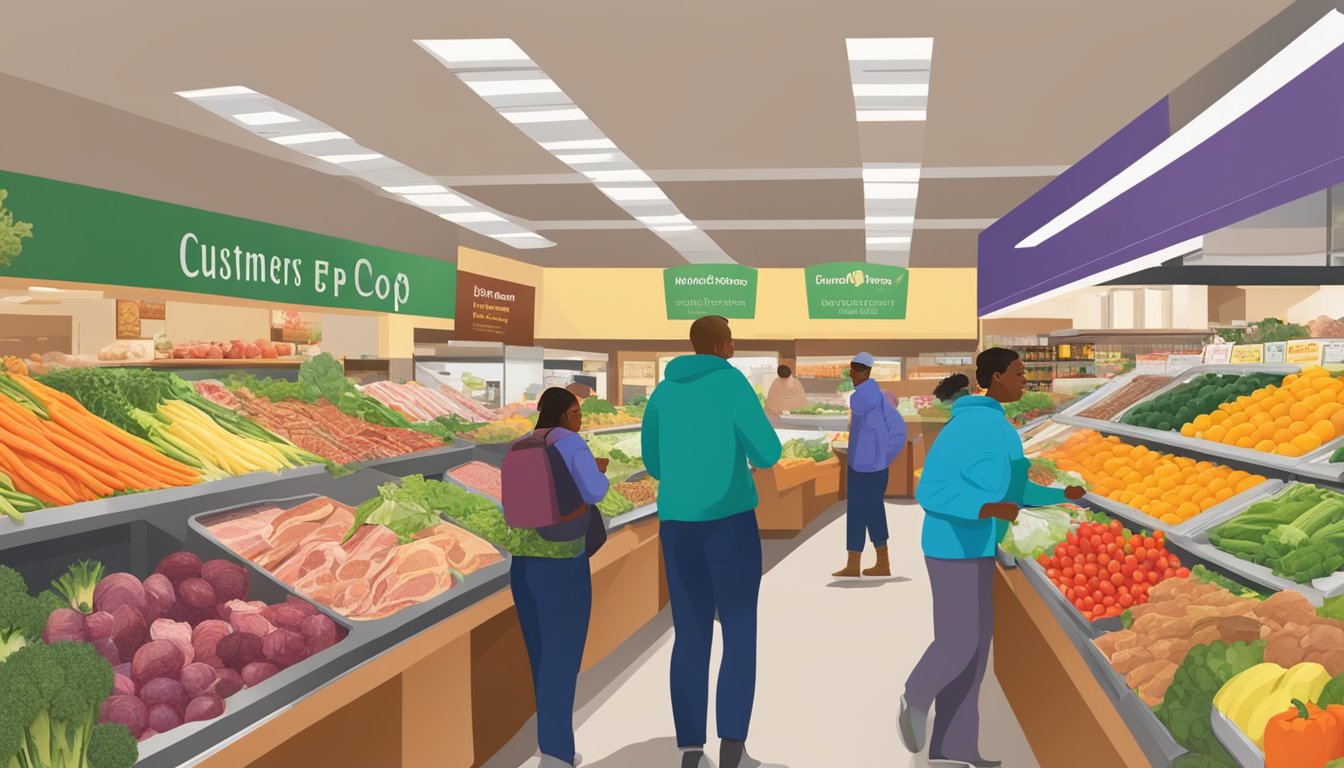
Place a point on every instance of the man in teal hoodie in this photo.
(702, 425)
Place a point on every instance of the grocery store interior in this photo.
(282, 288)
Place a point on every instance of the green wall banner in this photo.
(58, 231)
(856, 290)
(696, 290)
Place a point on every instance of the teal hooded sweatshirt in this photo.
(976, 460)
(703, 423)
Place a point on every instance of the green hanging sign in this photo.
(856, 290)
(57, 231)
(696, 290)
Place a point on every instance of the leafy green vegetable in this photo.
(614, 504)
(1212, 577)
(594, 405)
(76, 585)
(395, 509)
(1039, 529)
(1189, 701)
(1299, 534)
(1274, 329)
(1127, 618)
(1176, 407)
(820, 409)
(1333, 693)
(481, 516)
(12, 233)
(322, 376)
(817, 450)
(275, 390)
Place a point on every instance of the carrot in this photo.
(69, 417)
(36, 484)
(55, 460)
(126, 468)
(100, 467)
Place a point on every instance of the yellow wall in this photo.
(629, 304)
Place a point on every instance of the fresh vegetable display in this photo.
(600, 414)
(821, 409)
(1032, 405)
(1299, 533)
(1304, 736)
(1038, 529)
(614, 503)
(621, 450)
(1189, 699)
(503, 431)
(641, 493)
(1046, 472)
(484, 518)
(392, 552)
(1103, 569)
(817, 450)
(1291, 420)
(1201, 395)
(1255, 697)
(1172, 489)
(323, 377)
(54, 452)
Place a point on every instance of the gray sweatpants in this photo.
(950, 673)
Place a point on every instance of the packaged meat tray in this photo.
(431, 463)
(143, 553)
(480, 477)
(365, 572)
(1111, 406)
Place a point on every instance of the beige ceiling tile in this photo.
(763, 249)
(745, 200)
(974, 198)
(588, 248)
(549, 202)
(944, 248)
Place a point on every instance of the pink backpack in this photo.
(538, 490)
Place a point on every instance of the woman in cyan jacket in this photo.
(554, 597)
(973, 484)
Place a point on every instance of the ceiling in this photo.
(742, 111)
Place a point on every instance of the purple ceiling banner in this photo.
(1289, 145)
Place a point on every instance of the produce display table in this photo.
(792, 497)
(1061, 706)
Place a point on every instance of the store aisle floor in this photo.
(833, 659)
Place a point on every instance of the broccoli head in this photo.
(49, 700)
(112, 746)
(21, 617)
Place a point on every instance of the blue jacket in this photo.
(876, 430)
(701, 427)
(976, 460)
(592, 484)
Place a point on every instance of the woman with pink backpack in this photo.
(550, 483)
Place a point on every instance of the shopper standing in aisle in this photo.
(954, 386)
(554, 597)
(786, 394)
(702, 425)
(876, 438)
(974, 482)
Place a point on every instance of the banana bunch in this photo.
(217, 447)
(1251, 698)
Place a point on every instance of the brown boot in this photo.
(851, 569)
(883, 565)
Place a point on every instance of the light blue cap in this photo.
(864, 359)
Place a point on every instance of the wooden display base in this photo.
(453, 695)
(1065, 714)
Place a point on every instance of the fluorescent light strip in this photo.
(885, 191)
(499, 68)
(255, 110)
(889, 48)
(513, 87)
(881, 174)
(887, 240)
(1155, 259)
(308, 138)
(350, 158)
(870, 221)
(1319, 40)
(228, 90)
(891, 115)
(891, 89)
(265, 118)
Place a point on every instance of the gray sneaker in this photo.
(913, 727)
(748, 761)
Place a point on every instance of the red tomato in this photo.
(1107, 588)
(1088, 603)
(1072, 538)
(1078, 603)
(1162, 564)
(1125, 600)
(1080, 580)
(1141, 554)
(1073, 551)
(1090, 569)
(1169, 573)
(1127, 571)
(1117, 579)
(1149, 542)
(1096, 541)
(1153, 578)
(1103, 559)
(1108, 601)
(1131, 560)
(1183, 573)
(1175, 561)
(1092, 583)
(1066, 572)
(1108, 538)
(1052, 574)
(1061, 550)
(1091, 558)
(1159, 535)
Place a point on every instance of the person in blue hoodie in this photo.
(876, 438)
(973, 484)
(703, 424)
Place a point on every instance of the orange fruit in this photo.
(1188, 430)
(1206, 504)
(1266, 446)
(1188, 510)
(1224, 494)
(1288, 449)
(1313, 402)
(1202, 422)
(1299, 411)
(1245, 442)
(1216, 433)
(1218, 417)
(1289, 379)
(1298, 427)
(1307, 441)
(1278, 409)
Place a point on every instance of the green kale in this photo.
(1186, 708)
(594, 405)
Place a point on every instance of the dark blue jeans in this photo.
(713, 566)
(554, 600)
(866, 511)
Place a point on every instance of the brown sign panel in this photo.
(128, 319)
(494, 310)
(153, 310)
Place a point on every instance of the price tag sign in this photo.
(1304, 352)
(1244, 354)
(1332, 352)
(1151, 365)
(1178, 363)
(1276, 351)
(1217, 354)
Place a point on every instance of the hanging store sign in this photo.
(855, 290)
(494, 310)
(1244, 354)
(696, 290)
(58, 231)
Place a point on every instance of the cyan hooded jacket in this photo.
(703, 423)
(976, 460)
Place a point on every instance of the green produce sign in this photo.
(856, 290)
(696, 290)
(57, 231)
